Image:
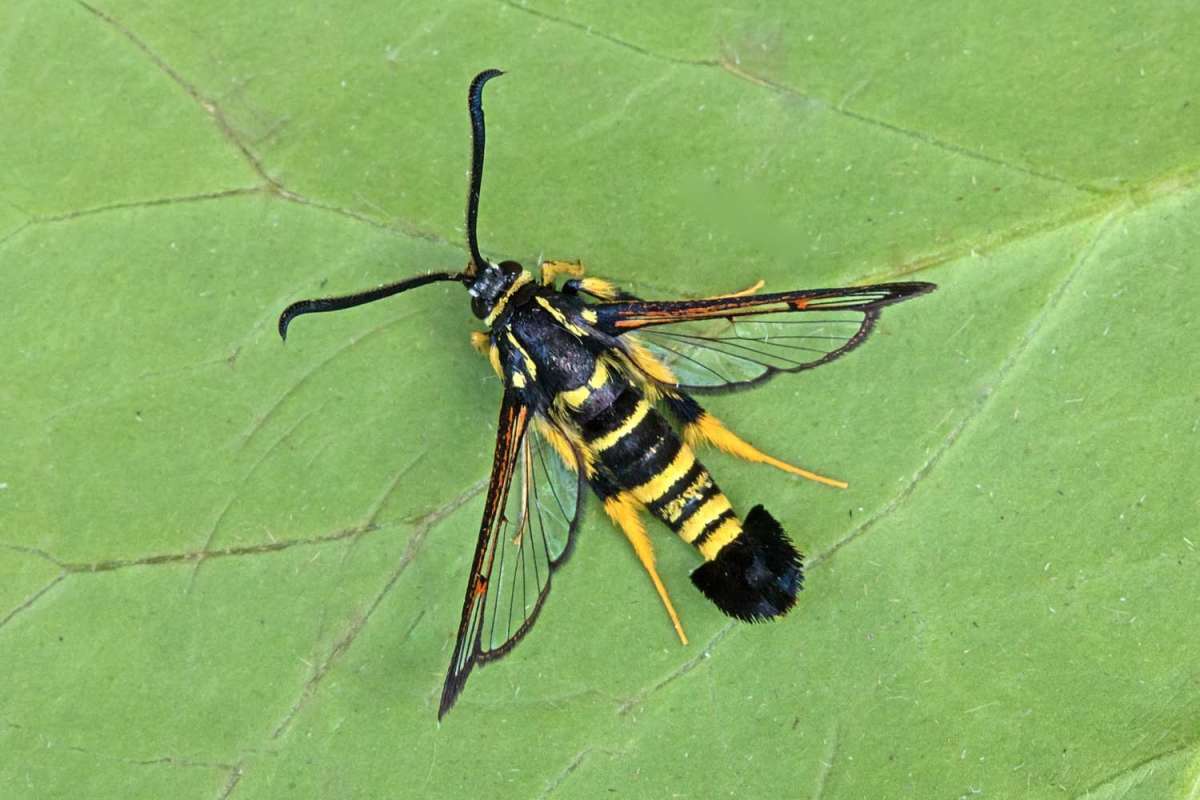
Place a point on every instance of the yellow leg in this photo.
(624, 512)
(552, 269)
(565, 449)
(596, 287)
(600, 288)
(751, 289)
(483, 343)
(647, 363)
(709, 429)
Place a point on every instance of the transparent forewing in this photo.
(533, 538)
(718, 353)
(531, 512)
(736, 342)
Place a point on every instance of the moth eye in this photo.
(480, 307)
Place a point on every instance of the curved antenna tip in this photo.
(475, 92)
(487, 75)
(290, 313)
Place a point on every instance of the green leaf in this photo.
(230, 568)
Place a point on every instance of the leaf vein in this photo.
(1000, 376)
(424, 526)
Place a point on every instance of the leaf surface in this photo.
(233, 568)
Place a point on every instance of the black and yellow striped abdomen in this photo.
(750, 570)
(633, 459)
(633, 449)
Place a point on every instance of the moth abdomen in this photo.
(757, 575)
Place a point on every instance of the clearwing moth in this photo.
(591, 377)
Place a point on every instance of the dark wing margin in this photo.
(730, 343)
(530, 515)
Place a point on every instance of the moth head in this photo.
(490, 284)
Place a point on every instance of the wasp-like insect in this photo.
(585, 385)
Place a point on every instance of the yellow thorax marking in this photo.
(560, 318)
(577, 397)
(501, 303)
(714, 507)
(632, 421)
(530, 367)
(657, 486)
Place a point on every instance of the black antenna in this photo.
(475, 107)
(359, 298)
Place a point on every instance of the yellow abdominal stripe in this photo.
(624, 429)
(657, 486)
(577, 397)
(716, 506)
(725, 533)
(673, 509)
